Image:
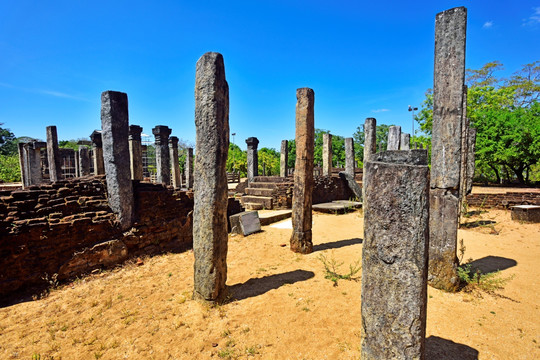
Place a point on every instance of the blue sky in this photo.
(363, 59)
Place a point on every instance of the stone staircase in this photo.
(261, 192)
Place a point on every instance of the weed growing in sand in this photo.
(488, 282)
(226, 353)
(332, 268)
(251, 351)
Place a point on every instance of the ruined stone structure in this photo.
(163, 167)
(210, 188)
(175, 166)
(84, 161)
(53, 154)
(394, 137)
(114, 122)
(301, 239)
(349, 156)
(449, 77)
(370, 147)
(30, 162)
(135, 152)
(97, 150)
(405, 142)
(327, 155)
(252, 158)
(284, 158)
(395, 256)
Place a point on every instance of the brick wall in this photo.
(503, 200)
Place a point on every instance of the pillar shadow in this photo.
(477, 223)
(258, 286)
(337, 244)
(491, 264)
(442, 349)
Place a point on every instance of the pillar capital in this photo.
(173, 141)
(96, 138)
(135, 132)
(161, 133)
(252, 143)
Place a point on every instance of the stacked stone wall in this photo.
(503, 200)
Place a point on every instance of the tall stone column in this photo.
(24, 164)
(77, 163)
(370, 148)
(283, 167)
(135, 152)
(210, 188)
(53, 155)
(394, 137)
(114, 122)
(449, 77)
(394, 258)
(163, 166)
(97, 150)
(252, 158)
(35, 162)
(301, 239)
(405, 142)
(188, 168)
(84, 161)
(327, 155)
(471, 148)
(175, 166)
(349, 156)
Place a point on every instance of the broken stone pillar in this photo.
(210, 188)
(395, 257)
(370, 147)
(301, 239)
(115, 129)
(449, 77)
(97, 150)
(394, 137)
(175, 166)
(349, 156)
(163, 166)
(53, 155)
(84, 161)
(283, 167)
(405, 142)
(135, 152)
(188, 168)
(30, 163)
(252, 158)
(327, 155)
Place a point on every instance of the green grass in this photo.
(332, 270)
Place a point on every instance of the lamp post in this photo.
(413, 109)
(233, 135)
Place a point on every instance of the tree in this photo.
(8, 142)
(381, 139)
(237, 160)
(269, 160)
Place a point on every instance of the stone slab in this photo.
(272, 216)
(338, 206)
(529, 213)
(245, 223)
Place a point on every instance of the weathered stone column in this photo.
(464, 153)
(210, 188)
(301, 239)
(252, 158)
(471, 148)
(24, 164)
(175, 166)
(84, 161)
(77, 164)
(97, 150)
(114, 122)
(349, 156)
(163, 166)
(394, 137)
(35, 162)
(370, 148)
(283, 167)
(395, 257)
(188, 168)
(405, 142)
(449, 77)
(135, 152)
(53, 155)
(327, 155)
(30, 163)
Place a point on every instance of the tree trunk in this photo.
(496, 171)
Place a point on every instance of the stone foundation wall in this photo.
(504, 200)
(67, 228)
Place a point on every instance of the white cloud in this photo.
(487, 24)
(380, 110)
(534, 19)
(44, 92)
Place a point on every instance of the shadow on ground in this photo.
(258, 286)
(442, 349)
(337, 244)
(477, 223)
(491, 264)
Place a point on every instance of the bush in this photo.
(10, 170)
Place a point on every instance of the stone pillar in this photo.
(301, 239)
(175, 166)
(210, 188)
(188, 168)
(84, 161)
(283, 167)
(405, 142)
(163, 166)
(97, 150)
(327, 155)
(464, 153)
(394, 259)
(449, 77)
(370, 148)
(349, 156)
(252, 158)
(394, 137)
(53, 155)
(471, 148)
(35, 162)
(77, 163)
(135, 152)
(114, 122)
(24, 164)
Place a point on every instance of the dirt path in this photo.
(282, 305)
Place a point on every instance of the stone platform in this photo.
(529, 213)
(337, 207)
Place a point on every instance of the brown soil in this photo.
(282, 307)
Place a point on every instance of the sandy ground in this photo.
(281, 305)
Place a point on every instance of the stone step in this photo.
(259, 191)
(252, 206)
(273, 179)
(262, 185)
(265, 201)
(269, 217)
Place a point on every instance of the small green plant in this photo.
(331, 268)
(475, 279)
(226, 353)
(36, 356)
(251, 351)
